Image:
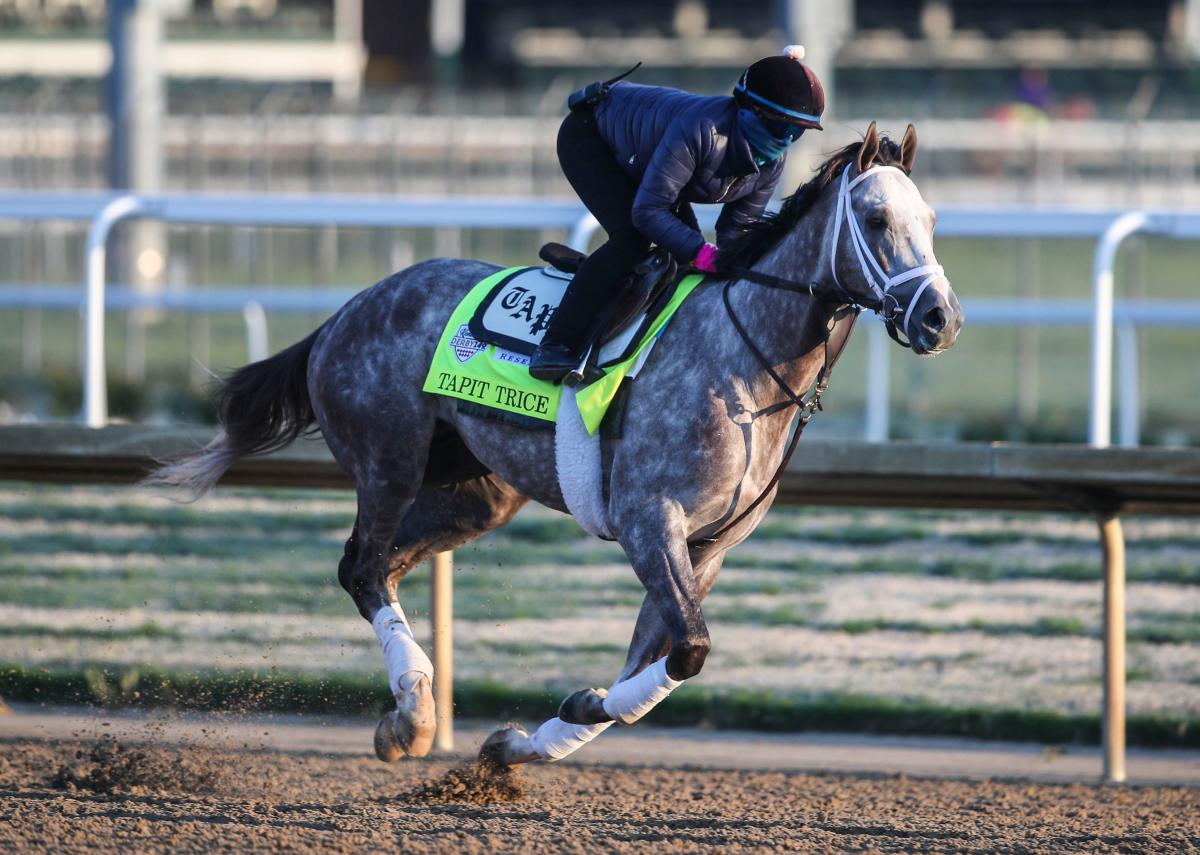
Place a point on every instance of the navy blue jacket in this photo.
(683, 148)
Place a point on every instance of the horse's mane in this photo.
(768, 231)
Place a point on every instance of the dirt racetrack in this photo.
(110, 796)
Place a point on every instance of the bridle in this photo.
(884, 303)
(846, 311)
(881, 284)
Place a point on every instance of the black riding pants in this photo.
(608, 192)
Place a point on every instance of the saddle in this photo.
(514, 316)
(652, 278)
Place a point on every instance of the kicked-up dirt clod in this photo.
(479, 783)
(111, 766)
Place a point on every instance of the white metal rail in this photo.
(346, 212)
(105, 211)
(253, 302)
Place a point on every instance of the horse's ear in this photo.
(908, 148)
(869, 149)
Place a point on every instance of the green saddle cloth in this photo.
(468, 369)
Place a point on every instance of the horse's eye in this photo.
(877, 221)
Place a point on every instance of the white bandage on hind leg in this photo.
(406, 661)
(631, 699)
(555, 739)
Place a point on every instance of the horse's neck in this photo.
(788, 327)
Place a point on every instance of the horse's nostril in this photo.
(934, 320)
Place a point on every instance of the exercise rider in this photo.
(638, 156)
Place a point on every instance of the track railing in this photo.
(104, 211)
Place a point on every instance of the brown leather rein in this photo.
(808, 405)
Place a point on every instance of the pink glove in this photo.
(706, 259)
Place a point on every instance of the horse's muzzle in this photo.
(935, 321)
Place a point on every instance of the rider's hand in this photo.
(706, 259)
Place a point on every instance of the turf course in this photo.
(916, 622)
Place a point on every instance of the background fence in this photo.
(509, 215)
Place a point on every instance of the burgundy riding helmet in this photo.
(784, 86)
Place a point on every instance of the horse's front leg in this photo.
(650, 645)
(645, 681)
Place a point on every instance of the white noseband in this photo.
(875, 276)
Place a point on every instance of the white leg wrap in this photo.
(630, 700)
(555, 739)
(406, 661)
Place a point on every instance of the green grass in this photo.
(76, 550)
(1181, 629)
(764, 710)
(1004, 537)
(978, 570)
(1159, 629)
(783, 614)
(173, 517)
(1165, 628)
(853, 535)
(147, 629)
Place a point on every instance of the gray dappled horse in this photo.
(705, 429)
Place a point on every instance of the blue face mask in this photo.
(768, 140)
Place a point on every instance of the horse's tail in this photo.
(262, 407)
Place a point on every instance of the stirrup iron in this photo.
(575, 375)
(586, 371)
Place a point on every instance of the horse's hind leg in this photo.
(363, 573)
(437, 520)
(444, 518)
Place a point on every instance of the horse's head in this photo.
(859, 232)
(880, 243)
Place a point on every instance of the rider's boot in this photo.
(553, 360)
(573, 323)
(561, 350)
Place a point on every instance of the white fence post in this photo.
(255, 317)
(1100, 425)
(441, 617)
(95, 383)
(1111, 535)
(1129, 405)
(582, 232)
(878, 383)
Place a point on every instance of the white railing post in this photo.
(441, 616)
(878, 383)
(257, 348)
(1100, 424)
(1129, 407)
(1112, 541)
(95, 391)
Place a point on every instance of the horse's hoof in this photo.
(409, 728)
(387, 746)
(508, 746)
(585, 707)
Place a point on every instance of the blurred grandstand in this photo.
(1018, 101)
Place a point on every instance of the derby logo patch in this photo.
(464, 344)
